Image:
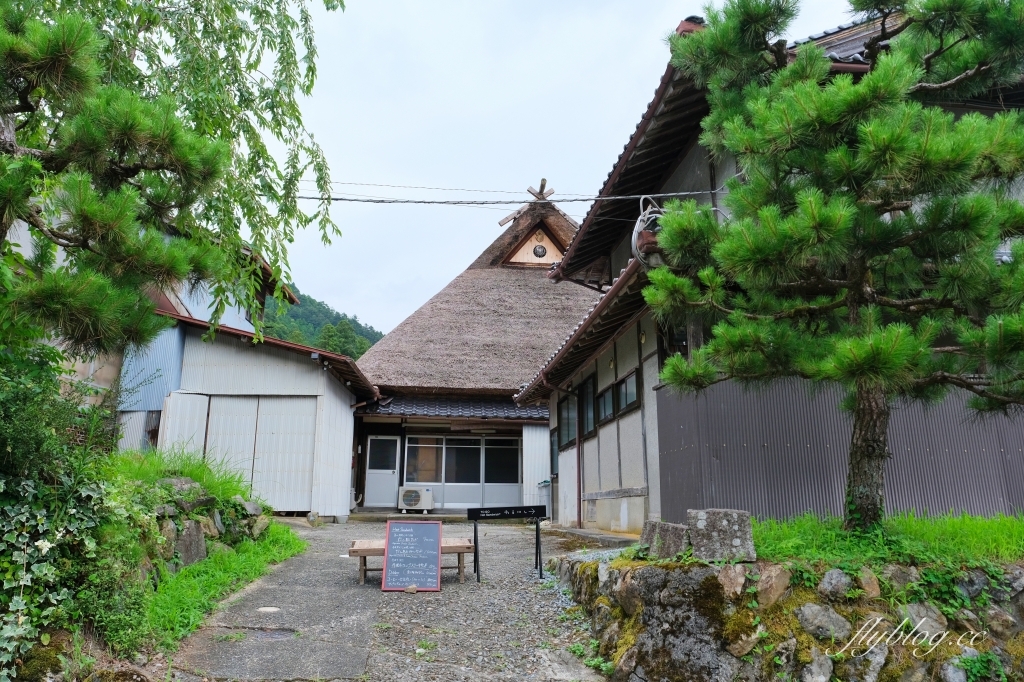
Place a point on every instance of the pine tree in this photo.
(329, 339)
(860, 244)
(112, 180)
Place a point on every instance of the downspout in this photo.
(579, 450)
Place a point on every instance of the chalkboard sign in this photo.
(537, 511)
(412, 556)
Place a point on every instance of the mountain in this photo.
(314, 323)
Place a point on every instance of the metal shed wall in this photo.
(782, 451)
(228, 366)
(536, 463)
(133, 431)
(151, 374)
(282, 470)
(231, 432)
(332, 460)
(183, 422)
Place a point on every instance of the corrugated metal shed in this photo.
(282, 472)
(782, 451)
(536, 463)
(231, 432)
(152, 373)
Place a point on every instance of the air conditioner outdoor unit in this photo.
(421, 499)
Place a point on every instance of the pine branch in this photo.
(931, 56)
(952, 82)
(24, 105)
(874, 45)
(975, 386)
(65, 240)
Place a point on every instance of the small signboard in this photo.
(537, 511)
(412, 556)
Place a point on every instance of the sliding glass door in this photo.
(466, 471)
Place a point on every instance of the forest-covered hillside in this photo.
(314, 323)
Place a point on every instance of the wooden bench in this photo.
(365, 548)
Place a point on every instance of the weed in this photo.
(904, 538)
(425, 644)
(986, 666)
(77, 665)
(151, 466)
(233, 637)
(577, 649)
(544, 645)
(383, 626)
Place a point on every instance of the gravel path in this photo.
(510, 626)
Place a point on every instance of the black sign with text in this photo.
(537, 511)
(412, 556)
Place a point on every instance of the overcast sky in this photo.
(487, 95)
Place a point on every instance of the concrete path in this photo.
(309, 619)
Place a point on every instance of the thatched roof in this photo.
(491, 327)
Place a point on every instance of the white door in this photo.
(282, 472)
(381, 472)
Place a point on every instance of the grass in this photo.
(183, 600)
(907, 538)
(152, 465)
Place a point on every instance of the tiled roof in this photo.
(455, 408)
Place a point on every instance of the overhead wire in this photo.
(438, 189)
(364, 199)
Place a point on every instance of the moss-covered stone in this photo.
(43, 659)
(739, 624)
(629, 630)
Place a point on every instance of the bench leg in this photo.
(462, 567)
(362, 570)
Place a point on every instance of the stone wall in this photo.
(693, 621)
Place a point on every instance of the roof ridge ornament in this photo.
(541, 194)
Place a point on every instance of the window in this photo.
(501, 460)
(423, 460)
(606, 404)
(462, 460)
(382, 454)
(588, 417)
(627, 393)
(566, 421)
(554, 453)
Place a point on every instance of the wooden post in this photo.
(362, 570)
(462, 567)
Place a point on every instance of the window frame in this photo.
(626, 409)
(555, 450)
(613, 389)
(571, 438)
(591, 384)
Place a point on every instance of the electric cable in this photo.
(498, 202)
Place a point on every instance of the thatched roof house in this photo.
(447, 426)
(493, 325)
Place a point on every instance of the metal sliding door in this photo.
(231, 433)
(283, 464)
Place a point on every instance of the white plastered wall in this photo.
(536, 463)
